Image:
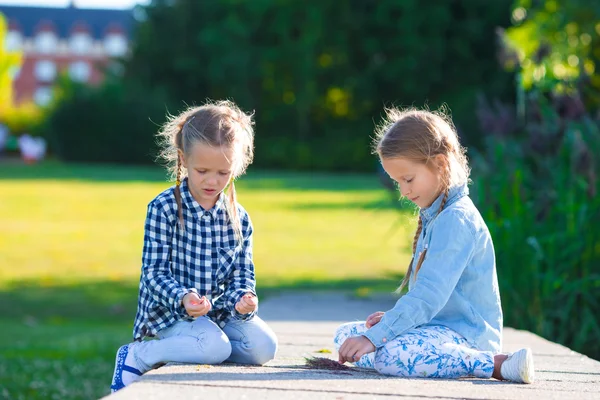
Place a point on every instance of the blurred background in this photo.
(84, 86)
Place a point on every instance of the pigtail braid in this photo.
(178, 194)
(414, 249)
(178, 142)
(422, 257)
(233, 214)
(424, 252)
(444, 200)
(417, 234)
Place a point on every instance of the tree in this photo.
(318, 73)
(555, 47)
(9, 60)
(536, 178)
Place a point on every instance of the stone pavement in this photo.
(305, 322)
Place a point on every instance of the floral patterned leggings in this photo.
(427, 351)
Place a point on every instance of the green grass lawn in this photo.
(70, 249)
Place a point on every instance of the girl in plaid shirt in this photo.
(197, 296)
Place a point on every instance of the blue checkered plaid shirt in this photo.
(205, 258)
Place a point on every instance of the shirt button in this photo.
(384, 340)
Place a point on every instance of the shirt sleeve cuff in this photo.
(379, 335)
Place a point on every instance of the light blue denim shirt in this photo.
(456, 285)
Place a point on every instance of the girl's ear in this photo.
(181, 157)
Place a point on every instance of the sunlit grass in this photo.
(67, 229)
(70, 250)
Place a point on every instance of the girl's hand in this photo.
(196, 306)
(354, 348)
(247, 304)
(374, 319)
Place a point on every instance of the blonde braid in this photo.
(406, 278)
(178, 194)
(422, 258)
(417, 234)
(444, 200)
(233, 214)
(178, 139)
(414, 250)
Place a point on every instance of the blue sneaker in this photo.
(121, 368)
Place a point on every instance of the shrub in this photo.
(535, 184)
(104, 124)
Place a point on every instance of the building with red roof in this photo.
(76, 41)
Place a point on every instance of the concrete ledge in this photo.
(560, 372)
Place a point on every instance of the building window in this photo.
(43, 96)
(45, 71)
(115, 45)
(81, 43)
(80, 71)
(46, 42)
(13, 41)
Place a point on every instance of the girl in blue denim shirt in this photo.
(197, 296)
(449, 324)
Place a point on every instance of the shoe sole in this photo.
(115, 370)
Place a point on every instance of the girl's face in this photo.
(209, 171)
(418, 182)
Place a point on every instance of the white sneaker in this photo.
(518, 367)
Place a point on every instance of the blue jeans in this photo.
(202, 342)
(426, 351)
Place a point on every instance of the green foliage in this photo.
(555, 46)
(109, 123)
(536, 178)
(318, 73)
(8, 61)
(536, 187)
(24, 118)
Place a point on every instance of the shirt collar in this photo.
(196, 209)
(455, 193)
